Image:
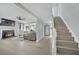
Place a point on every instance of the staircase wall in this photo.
(70, 15)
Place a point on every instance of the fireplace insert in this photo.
(7, 33)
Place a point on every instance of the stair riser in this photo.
(61, 28)
(66, 37)
(63, 31)
(64, 34)
(58, 26)
(58, 21)
(67, 44)
(63, 51)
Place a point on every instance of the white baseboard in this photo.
(70, 30)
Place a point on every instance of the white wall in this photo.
(70, 13)
(39, 30)
(16, 28)
(55, 9)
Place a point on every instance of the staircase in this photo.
(65, 43)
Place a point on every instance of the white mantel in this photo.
(5, 28)
(15, 28)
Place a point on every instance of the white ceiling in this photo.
(11, 11)
(34, 11)
(41, 10)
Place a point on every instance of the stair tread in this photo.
(63, 36)
(60, 36)
(66, 41)
(77, 49)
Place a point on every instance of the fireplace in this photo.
(7, 33)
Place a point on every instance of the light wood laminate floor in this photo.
(25, 47)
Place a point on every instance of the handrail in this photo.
(70, 30)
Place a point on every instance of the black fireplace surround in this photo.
(7, 33)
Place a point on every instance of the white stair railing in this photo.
(54, 40)
(70, 30)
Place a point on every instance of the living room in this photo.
(20, 29)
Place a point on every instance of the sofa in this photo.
(30, 36)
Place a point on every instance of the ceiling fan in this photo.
(20, 18)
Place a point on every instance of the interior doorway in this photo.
(46, 30)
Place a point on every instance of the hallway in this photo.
(25, 47)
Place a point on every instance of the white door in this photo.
(46, 30)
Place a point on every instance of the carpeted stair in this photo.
(65, 43)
